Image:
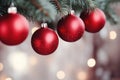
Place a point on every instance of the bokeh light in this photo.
(1, 66)
(91, 62)
(18, 61)
(112, 35)
(82, 75)
(60, 74)
(34, 29)
(8, 78)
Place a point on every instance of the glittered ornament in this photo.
(70, 28)
(94, 20)
(14, 28)
(44, 41)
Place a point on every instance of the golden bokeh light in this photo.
(60, 74)
(82, 75)
(8, 78)
(19, 61)
(1, 66)
(112, 35)
(91, 62)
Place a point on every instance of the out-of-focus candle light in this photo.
(18, 61)
(82, 75)
(60, 75)
(8, 78)
(91, 62)
(112, 35)
(1, 66)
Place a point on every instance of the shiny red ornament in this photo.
(44, 41)
(94, 20)
(14, 29)
(70, 28)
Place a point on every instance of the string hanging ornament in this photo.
(70, 28)
(14, 27)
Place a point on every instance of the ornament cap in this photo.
(71, 12)
(12, 8)
(44, 25)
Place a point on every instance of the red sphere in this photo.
(70, 28)
(14, 29)
(94, 20)
(44, 41)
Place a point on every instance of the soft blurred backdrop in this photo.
(93, 57)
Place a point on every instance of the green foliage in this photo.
(105, 6)
(47, 10)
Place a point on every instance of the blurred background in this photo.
(93, 57)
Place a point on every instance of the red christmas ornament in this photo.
(94, 20)
(44, 41)
(14, 29)
(70, 28)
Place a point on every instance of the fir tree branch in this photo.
(111, 18)
(58, 5)
(39, 7)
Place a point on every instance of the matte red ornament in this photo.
(94, 20)
(44, 41)
(70, 28)
(14, 29)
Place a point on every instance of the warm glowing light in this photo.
(33, 60)
(60, 75)
(1, 66)
(91, 62)
(8, 79)
(113, 35)
(34, 29)
(18, 60)
(82, 75)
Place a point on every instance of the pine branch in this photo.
(38, 6)
(111, 16)
(61, 6)
(47, 10)
(57, 5)
(89, 4)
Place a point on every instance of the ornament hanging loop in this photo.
(71, 11)
(43, 25)
(12, 8)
